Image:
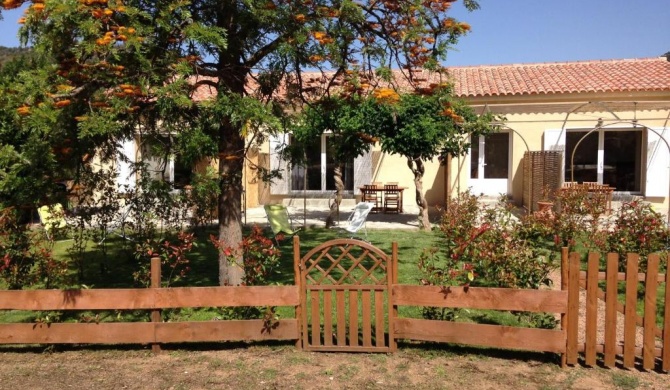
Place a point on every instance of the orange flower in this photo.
(62, 103)
(11, 4)
(39, 7)
(21, 20)
(300, 18)
(23, 110)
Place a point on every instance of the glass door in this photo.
(489, 164)
(612, 157)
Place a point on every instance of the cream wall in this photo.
(393, 168)
(528, 123)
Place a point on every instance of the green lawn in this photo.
(119, 263)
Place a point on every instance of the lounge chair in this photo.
(280, 220)
(357, 219)
(52, 218)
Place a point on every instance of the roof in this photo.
(628, 75)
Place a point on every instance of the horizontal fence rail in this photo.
(498, 336)
(152, 299)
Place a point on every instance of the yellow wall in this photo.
(529, 121)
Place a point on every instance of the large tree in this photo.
(119, 66)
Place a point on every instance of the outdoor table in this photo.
(382, 190)
(602, 190)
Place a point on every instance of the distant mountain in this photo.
(6, 53)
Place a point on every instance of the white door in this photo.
(489, 164)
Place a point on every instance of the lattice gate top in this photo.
(345, 261)
(345, 300)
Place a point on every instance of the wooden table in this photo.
(383, 190)
(604, 191)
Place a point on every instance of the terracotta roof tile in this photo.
(629, 75)
(633, 75)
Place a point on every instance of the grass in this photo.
(116, 256)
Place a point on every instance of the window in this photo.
(318, 174)
(162, 166)
(489, 156)
(612, 157)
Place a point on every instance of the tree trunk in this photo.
(231, 159)
(339, 189)
(231, 148)
(418, 169)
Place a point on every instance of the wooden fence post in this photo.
(564, 287)
(666, 324)
(393, 309)
(573, 310)
(630, 312)
(155, 283)
(300, 287)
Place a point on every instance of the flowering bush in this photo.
(637, 229)
(172, 255)
(26, 256)
(260, 258)
(259, 254)
(484, 246)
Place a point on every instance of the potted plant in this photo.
(546, 203)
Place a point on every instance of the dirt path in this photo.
(283, 367)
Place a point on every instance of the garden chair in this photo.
(52, 218)
(371, 195)
(279, 220)
(357, 219)
(391, 198)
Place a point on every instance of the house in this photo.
(609, 119)
(621, 106)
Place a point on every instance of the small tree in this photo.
(349, 121)
(428, 125)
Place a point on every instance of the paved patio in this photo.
(315, 216)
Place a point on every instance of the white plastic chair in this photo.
(357, 219)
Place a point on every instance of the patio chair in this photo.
(279, 220)
(357, 219)
(52, 218)
(371, 195)
(391, 198)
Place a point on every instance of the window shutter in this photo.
(279, 186)
(554, 139)
(657, 164)
(362, 170)
(126, 174)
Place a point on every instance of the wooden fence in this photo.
(563, 302)
(655, 340)
(152, 299)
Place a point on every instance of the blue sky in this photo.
(522, 31)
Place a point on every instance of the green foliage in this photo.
(638, 229)
(203, 194)
(425, 126)
(350, 121)
(26, 258)
(112, 69)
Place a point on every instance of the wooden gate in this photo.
(345, 297)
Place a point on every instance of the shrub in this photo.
(26, 258)
(261, 259)
(637, 229)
